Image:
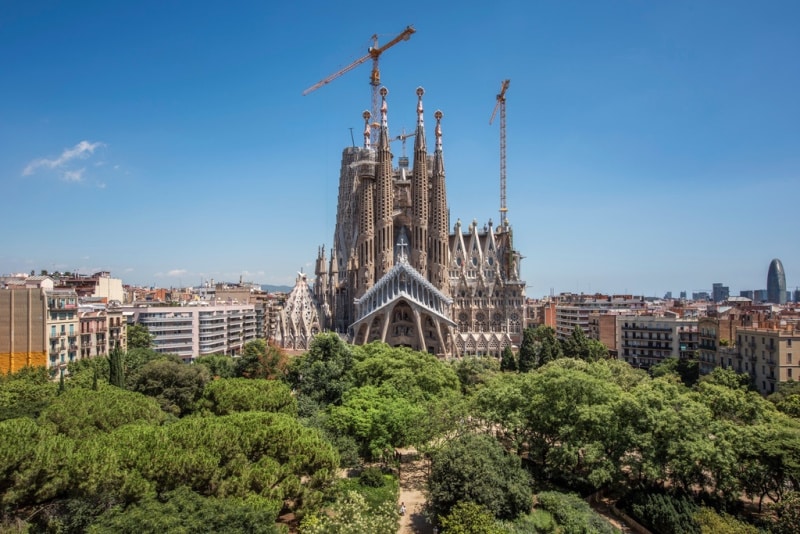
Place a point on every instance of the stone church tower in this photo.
(397, 274)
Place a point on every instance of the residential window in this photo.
(789, 373)
(788, 342)
(789, 358)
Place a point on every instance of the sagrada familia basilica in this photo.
(397, 273)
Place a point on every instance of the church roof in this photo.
(403, 282)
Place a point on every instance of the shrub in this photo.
(663, 512)
(573, 514)
(372, 477)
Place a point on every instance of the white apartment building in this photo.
(645, 340)
(62, 326)
(193, 331)
(575, 310)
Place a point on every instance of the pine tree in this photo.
(527, 351)
(508, 362)
(116, 374)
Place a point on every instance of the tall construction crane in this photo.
(402, 137)
(501, 103)
(374, 52)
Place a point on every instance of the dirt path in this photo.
(412, 483)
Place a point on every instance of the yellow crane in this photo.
(501, 103)
(374, 52)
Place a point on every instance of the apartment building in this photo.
(769, 355)
(23, 338)
(573, 311)
(646, 340)
(41, 327)
(603, 328)
(62, 328)
(193, 331)
(98, 285)
(102, 328)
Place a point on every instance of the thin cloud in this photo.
(177, 272)
(82, 150)
(74, 176)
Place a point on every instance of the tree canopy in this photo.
(475, 468)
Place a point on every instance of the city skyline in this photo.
(647, 144)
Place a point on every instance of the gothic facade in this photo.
(396, 272)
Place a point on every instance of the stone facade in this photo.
(397, 273)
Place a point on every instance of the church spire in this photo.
(419, 137)
(367, 115)
(438, 250)
(383, 140)
(419, 190)
(384, 198)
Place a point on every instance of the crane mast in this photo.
(501, 104)
(373, 53)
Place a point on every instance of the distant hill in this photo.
(275, 289)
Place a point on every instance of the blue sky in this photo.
(652, 146)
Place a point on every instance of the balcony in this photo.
(161, 319)
(173, 336)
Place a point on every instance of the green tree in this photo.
(230, 395)
(116, 374)
(176, 386)
(728, 378)
(687, 369)
(268, 454)
(183, 510)
(139, 337)
(541, 347)
(475, 468)
(261, 360)
(417, 375)
(473, 371)
(527, 351)
(502, 404)
(787, 514)
(469, 518)
(80, 413)
(219, 365)
(26, 392)
(711, 522)
(34, 463)
(380, 419)
(324, 373)
(787, 398)
(508, 362)
(581, 347)
(573, 514)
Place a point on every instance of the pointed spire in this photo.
(438, 115)
(419, 137)
(367, 115)
(334, 268)
(384, 134)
